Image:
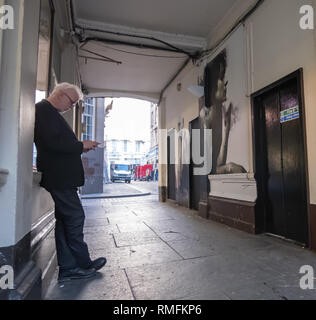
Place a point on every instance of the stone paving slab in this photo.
(230, 243)
(116, 190)
(163, 251)
(119, 188)
(100, 241)
(172, 236)
(113, 196)
(103, 230)
(99, 213)
(284, 258)
(96, 222)
(254, 291)
(151, 215)
(201, 278)
(104, 286)
(120, 214)
(135, 238)
(140, 255)
(146, 186)
(190, 249)
(290, 290)
(171, 228)
(181, 280)
(146, 210)
(125, 219)
(153, 219)
(133, 226)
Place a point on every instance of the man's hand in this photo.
(89, 145)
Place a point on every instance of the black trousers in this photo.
(72, 251)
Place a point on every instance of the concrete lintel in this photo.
(194, 43)
(241, 187)
(101, 93)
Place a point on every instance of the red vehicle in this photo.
(143, 172)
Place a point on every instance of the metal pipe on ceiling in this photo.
(209, 51)
(141, 45)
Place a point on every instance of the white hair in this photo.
(65, 86)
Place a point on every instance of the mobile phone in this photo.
(102, 145)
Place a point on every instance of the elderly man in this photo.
(59, 160)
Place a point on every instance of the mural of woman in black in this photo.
(216, 116)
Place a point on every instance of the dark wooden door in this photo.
(195, 181)
(280, 160)
(171, 171)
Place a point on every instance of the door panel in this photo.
(280, 160)
(171, 173)
(195, 181)
(274, 201)
(293, 167)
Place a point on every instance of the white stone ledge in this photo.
(242, 187)
(3, 177)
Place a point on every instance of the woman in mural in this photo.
(214, 115)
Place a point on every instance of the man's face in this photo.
(68, 100)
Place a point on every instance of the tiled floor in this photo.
(162, 251)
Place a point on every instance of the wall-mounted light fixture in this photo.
(197, 91)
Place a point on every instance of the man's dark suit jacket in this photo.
(58, 149)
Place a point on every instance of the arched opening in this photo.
(126, 162)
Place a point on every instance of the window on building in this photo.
(88, 119)
(156, 136)
(125, 145)
(114, 145)
(137, 146)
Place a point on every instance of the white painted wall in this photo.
(17, 95)
(1, 31)
(268, 47)
(232, 16)
(26, 118)
(162, 149)
(279, 47)
(42, 201)
(182, 104)
(69, 73)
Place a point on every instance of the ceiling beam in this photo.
(190, 43)
(108, 93)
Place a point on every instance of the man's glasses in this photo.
(73, 103)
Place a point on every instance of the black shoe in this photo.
(75, 274)
(97, 264)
